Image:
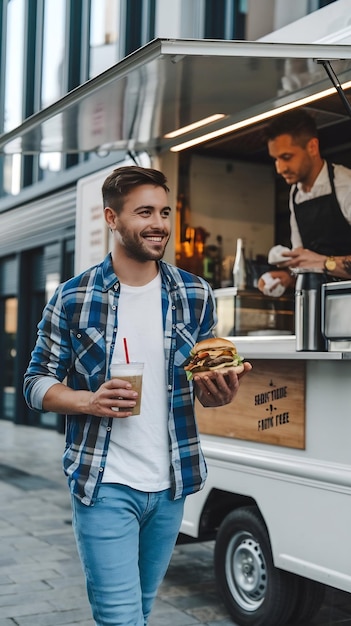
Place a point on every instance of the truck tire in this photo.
(254, 592)
(310, 596)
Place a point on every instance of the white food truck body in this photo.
(301, 495)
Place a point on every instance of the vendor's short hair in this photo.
(299, 124)
(124, 179)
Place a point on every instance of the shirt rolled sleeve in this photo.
(38, 391)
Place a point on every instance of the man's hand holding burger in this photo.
(216, 368)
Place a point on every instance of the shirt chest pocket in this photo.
(89, 350)
(186, 337)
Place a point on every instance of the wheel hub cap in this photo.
(246, 571)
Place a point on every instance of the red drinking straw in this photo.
(126, 349)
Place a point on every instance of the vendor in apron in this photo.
(320, 206)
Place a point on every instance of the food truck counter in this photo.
(284, 347)
(275, 334)
(283, 388)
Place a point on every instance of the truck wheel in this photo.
(254, 592)
(310, 596)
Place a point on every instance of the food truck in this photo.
(278, 494)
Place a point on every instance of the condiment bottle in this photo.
(239, 267)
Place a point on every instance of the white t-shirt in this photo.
(138, 454)
(321, 187)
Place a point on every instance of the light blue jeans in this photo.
(125, 542)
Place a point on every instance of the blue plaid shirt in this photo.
(71, 343)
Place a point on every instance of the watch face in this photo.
(330, 264)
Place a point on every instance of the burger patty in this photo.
(218, 360)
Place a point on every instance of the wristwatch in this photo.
(330, 264)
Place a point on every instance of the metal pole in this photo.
(334, 79)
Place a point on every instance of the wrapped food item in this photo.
(275, 255)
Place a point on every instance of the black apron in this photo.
(321, 223)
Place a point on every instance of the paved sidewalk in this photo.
(41, 583)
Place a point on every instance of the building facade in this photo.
(48, 48)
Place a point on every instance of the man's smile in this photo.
(154, 238)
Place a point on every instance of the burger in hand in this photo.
(212, 354)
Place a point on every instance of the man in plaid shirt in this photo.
(128, 474)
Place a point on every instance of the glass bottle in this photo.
(239, 267)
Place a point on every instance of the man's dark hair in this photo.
(124, 179)
(299, 124)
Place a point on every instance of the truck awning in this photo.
(149, 100)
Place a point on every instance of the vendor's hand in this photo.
(306, 259)
(284, 278)
(285, 264)
(218, 389)
(113, 393)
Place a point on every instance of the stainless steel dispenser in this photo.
(308, 329)
(336, 315)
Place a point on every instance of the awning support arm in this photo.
(334, 79)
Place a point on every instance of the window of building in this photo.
(104, 35)
(323, 3)
(225, 19)
(8, 335)
(8, 312)
(14, 85)
(53, 78)
(314, 5)
(139, 24)
(44, 276)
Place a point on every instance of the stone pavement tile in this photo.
(72, 582)
(21, 509)
(13, 557)
(29, 574)
(52, 556)
(24, 480)
(196, 603)
(70, 568)
(7, 531)
(85, 623)
(61, 618)
(80, 623)
(16, 590)
(64, 539)
(35, 564)
(6, 493)
(26, 543)
(41, 525)
(206, 613)
(69, 600)
(66, 598)
(32, 608)
(164, 613)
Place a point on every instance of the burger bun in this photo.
(213, 343)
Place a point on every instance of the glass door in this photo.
(8, 333)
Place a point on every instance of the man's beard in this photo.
(134, 249)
